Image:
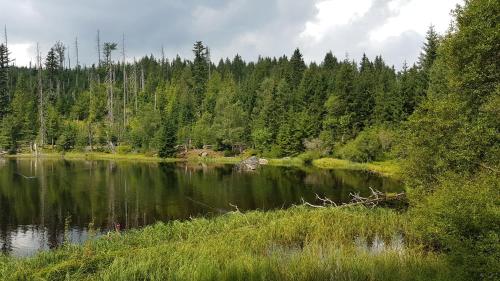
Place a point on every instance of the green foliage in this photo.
(9, 133)
(68, 137)
(370, 145)
(452, 146)
(429, 51)
(461, 219)
(272, 105)
(456, 127)
(169, 140)
(124, 149)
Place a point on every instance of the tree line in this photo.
(277, 106)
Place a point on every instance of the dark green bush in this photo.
(67, 139)
(370, 145)
(461, 218)
(124, 149)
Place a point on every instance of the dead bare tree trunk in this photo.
(40, 97)
(142, 79)
(135, 85)
(124, 85)
(98, 49)
(77, 62)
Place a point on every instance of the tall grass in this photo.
(294, 244)
(385, 168)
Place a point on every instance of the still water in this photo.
(41, 200)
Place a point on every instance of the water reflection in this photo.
(36, 196)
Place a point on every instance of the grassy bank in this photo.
(97, 156)
(386, 168)
(294, 244)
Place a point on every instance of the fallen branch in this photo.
(235, 207)
(206, 205)
(373, 200)
(305, 203)
(26, 177)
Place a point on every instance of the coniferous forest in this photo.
(437, 120)
(277, 106)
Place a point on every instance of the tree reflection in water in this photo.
(37, 196)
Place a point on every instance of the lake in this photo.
(44, 201)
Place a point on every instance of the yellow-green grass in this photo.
(385, 168)
(293, 244)
(97, 156)
(216, 160)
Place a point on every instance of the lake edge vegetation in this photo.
(448, 146)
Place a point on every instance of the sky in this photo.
(394, 29)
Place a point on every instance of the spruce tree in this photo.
(169, 141)
(52, 66)
(199, 71)
(298, 67)
(429, 50)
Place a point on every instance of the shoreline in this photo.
(390, 169)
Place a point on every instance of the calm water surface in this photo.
(37, 197)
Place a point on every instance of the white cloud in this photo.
(415, 15)
(22, 53)
(332, 13)
(394, 29)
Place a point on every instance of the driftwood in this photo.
(373, 200)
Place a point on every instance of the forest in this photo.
(275, 106)
(439, 119)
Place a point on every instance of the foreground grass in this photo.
(386, 168)
(294, 244)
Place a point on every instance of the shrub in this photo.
(461, 219)
(123, 149)
(308, 156)
(370, 145)
(274, 152)
(67, 139)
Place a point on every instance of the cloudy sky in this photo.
(393, 28)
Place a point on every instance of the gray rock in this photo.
(251, 163)
(263, 161)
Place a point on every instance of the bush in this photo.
(67, 139)
(308, 156)
(370, 145)
(123, 149)
(274, 152)
(461, 218)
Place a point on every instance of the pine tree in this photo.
(52, 67)
(429, 50)
(298, 67)
(199, 71)
(169, 140)
(330, 62)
